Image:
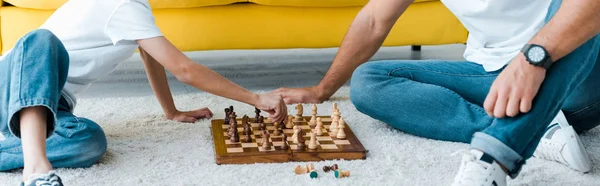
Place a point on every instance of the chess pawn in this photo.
(248, 137)
(276, 131)
(333, 128)
(319, 127)
(285, 145)
(313, 121)
(313, 141)
(341, 134)
(227, 112)
(300, 109)
(295, 135)
(266, 142)
(257, 111)
(289, 123)
(314, 109)
(301, 141)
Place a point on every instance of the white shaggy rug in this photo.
(146, 149)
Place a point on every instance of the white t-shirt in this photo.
(98, 35)
(498, 29)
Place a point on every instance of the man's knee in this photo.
(361, 85)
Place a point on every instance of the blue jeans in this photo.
(443, 100)
(34, 74)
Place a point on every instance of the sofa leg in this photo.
(415, 48)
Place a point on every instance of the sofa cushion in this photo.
(155, 4)
(317, 3)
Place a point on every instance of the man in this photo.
(525, 62)
(81, 42)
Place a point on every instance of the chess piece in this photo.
(277, 130)
(334, 167)
(314, 109)
(335, 107)
(289, 123)
(300, 169)
(227, 113)
(300, 110)
(266, 142)
(301, 141)
(261, 125)
(235, 138)
(257, 111)
(326, 168)
(244, 123)
(341, 125)
(248, 137)
(313, 174)
(313, 141)
(313, 121)
(319, 127)
(285, 145)
(261, 119)
(333, 128)
(341, 173)
(295, 135)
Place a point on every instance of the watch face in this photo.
(536, 54)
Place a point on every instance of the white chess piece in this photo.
(333, 128)
(313, 141)
(319, 127)
(341, 134)
(313, 121)
(295, 136)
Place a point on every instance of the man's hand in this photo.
(274, 105)
(191, 116)
(300, 95)
(514, 89)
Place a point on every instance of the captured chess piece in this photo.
(313, 141)
(301, 140)
(300, 169)
(319, 127)
(290, 122)
(341, 173)
(341, 125)
(257, 111)
(285, 145)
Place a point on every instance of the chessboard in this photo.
(328, 147)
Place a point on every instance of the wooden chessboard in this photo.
(329, 148)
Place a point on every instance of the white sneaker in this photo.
(562, 144)
(479, 169)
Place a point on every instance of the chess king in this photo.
(531, 70)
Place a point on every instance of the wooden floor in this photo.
(255, 70)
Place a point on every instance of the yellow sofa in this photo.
(256, 24)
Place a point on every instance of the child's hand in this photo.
(274, 105)
(191, 116)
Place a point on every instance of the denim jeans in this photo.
(34, 74)
(443, 100)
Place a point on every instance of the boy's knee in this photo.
(93, 147)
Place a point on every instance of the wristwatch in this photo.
(537, 55)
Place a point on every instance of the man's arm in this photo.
(160, 86)
(196, 75)
(364, 37)
(574, 23)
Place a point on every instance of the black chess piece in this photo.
(256, 118)
(301, 141)
(235, 138)
(227, 113)
(248, 134)
(285, 145)
(230, 108)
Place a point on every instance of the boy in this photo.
(81, 42)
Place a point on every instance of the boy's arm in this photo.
(364, 37)
(158, 81)
(203, 78)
